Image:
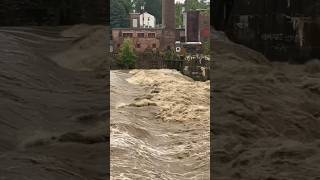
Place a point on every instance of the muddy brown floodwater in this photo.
(160, 127)
(52, 116)
(266, 115)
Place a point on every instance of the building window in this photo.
(138, 45)
(111, 48)
(134, 23)
(151, 35)
(127, 34)
(141, 35)
(154, 45)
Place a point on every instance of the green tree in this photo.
(119, 13)
(170, 55)
(206, 48)
(195, 4)
(179, 16)
(127, 55)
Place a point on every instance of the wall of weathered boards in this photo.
(283, 30)
(52, 12)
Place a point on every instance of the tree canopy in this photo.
(195, 4)
(119, 13)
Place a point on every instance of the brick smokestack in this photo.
(168, 24)
(168, 14)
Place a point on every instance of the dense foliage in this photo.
(206, 48)
(119, 13)
(179, 15)
(195, 4)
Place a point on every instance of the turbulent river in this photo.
(159, 126)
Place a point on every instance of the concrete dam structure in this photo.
(283, 30)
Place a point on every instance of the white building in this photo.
(147, 20)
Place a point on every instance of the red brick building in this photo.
(197, 29)
(157, 39)
(147, 38)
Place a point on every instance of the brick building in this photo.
(157, 39)
(167, 36)
(143, 38)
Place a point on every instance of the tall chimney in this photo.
(168, 24)
(168, 14)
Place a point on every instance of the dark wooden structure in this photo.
(284, 30)
(193, 31)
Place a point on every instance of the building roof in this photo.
(147, 13)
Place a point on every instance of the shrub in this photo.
(170, 55)
(127, 55)
(206, 47)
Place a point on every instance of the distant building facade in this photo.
(147, 20)
(143, 38)
(145, 35)
(197, 26)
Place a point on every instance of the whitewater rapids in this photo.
(160, 126)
